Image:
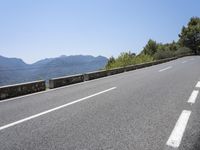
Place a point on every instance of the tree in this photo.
(150, 48)
(111, 60)
(190, 35)
(174, 46)
(126, 58)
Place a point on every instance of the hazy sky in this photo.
(36, 29)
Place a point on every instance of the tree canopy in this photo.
(150, 48)
(188, 42)
(190, 35)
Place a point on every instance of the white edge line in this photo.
(165, 68)
(193, 97)
(184, 61)
(54, 109)
(198, 84)
(179, 129)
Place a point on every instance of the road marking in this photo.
(184, 62)
(193, 97)
(54, 109)
(198, 84)
(165, 68)
(179, 129)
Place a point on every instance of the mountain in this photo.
(14, 70)
(11, 62)
(10, 70)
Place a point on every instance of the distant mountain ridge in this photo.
(15, 70)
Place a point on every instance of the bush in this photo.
(162, 54)
(182, 51)
(111, 61)
(126, 59)
(143, 59)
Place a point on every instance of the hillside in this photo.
(14, 70)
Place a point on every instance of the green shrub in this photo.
(182, 51)
(143, 58)
(162, 54)
(126, 59)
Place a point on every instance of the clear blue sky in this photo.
(36, 29)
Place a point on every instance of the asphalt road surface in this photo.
(154, 108)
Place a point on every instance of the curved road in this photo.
(153, 108)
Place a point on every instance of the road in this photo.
(153, 108)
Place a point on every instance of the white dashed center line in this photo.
(193, 97)
(165, 69)
(184, 62)
(198, 84)
(179, 129)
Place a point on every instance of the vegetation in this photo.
(190, 35)
(189, 42)
(127, 58)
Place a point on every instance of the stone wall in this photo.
(21, 89)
